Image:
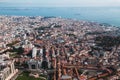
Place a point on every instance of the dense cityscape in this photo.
(54, 48)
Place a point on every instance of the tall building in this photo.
(41, 52)
(34, 52)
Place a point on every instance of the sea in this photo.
(108, 15)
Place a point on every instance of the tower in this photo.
(34, 52)
(41, 52)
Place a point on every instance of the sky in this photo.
(59, 3)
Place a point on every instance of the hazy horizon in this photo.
(70, 9)
(60, 3)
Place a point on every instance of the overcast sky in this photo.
(60, 3)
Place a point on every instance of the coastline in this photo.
(100, 15)
(103, 24)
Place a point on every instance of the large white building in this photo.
(34, 64)
(7, 68)
(34, 52)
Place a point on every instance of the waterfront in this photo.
(108, 15)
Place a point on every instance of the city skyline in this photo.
(60, 3)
